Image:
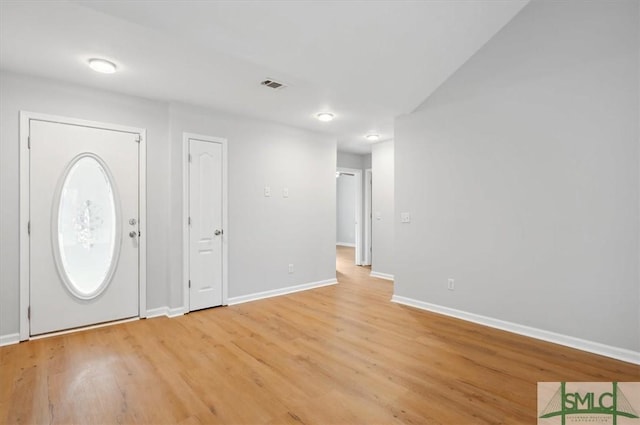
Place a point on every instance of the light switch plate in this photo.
(267, 191)
(285, 192)
(405, 217)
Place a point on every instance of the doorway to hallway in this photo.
(349, 211)
(346, 269)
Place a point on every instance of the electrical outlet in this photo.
(451, 284)
(290, 268)
(405, 217)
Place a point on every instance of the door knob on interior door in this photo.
(132, 234)
(218, 232)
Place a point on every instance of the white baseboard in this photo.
(556, 338)
(9, 339)
(178, 311)
(156, 312)
(165, 311)
(173, 312)
(281, 291)
(379, 275)
(351, 245)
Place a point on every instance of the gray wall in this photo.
(366, 163)
(353, 160)
(346, 209)
(382, 200)
(522, 176)
(266, 234)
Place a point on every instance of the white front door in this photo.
(205, 224)
(83, 226)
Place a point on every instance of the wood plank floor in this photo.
(341, 354)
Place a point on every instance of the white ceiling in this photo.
(366, 61)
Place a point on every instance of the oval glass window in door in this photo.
(86, 228)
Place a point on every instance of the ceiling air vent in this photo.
(273, 84)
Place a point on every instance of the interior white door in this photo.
(205, 230)
(83, 226)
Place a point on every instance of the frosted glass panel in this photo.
(87, 227)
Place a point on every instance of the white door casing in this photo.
(79, 191)
(367, 217)
(206, 233)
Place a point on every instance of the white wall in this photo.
(346, 209)
(366, 162)
(265, 234)
(382, 228)
(45, 96)
(522, 176)
(353, 160)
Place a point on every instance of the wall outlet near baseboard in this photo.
(290, 268)
(450, 284)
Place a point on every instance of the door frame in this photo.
(25, 175)
(358, 176)
(368, 176)
(185, 216)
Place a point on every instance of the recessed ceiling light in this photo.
(325, 116)
(102, 65)
(372, 137)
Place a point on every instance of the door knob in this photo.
(218, 232)
(132, 234)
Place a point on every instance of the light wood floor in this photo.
(337, 355)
